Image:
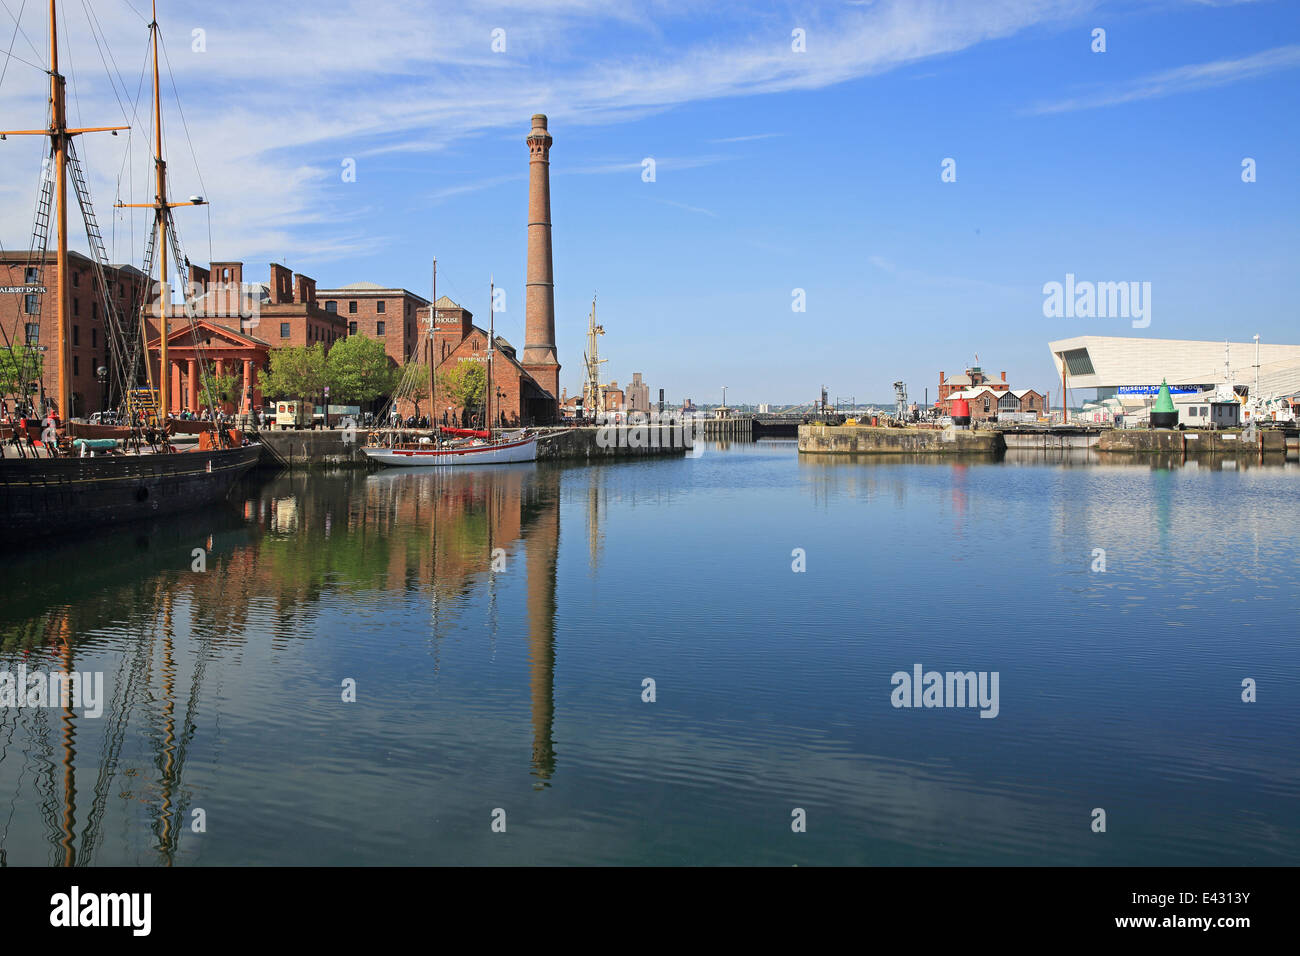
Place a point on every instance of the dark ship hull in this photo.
(40, 496)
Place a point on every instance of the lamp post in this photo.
(101, 373)
(1256, 396)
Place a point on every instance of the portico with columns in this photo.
(229, 350)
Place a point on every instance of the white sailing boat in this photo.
(458, 446)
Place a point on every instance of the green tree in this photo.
(20, 365)
(297, 372)
(413, 382)
(215, 389)
(357, 370)
(464, 384)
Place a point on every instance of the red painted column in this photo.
(174, 398)
(245, 399)
(193, 395)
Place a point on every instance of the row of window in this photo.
(380, 329)
(314, 334)
(1010, 403)
(381, 306)
(332, 306)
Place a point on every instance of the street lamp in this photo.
(1256, 395)
(101, 373)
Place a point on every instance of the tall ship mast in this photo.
(591, 403)
(59, 473)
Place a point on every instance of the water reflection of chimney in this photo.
(541, 544)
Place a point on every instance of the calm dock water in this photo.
(500, 625)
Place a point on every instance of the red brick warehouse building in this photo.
(379, 312)
(517, 397)
(238, 325)
(28, 317)
(989, 398)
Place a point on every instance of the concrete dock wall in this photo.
(1045, 439)
(612, 442)
(321, 448)
(1192, 442)
(340, 448)
(865, 440)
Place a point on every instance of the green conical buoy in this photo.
(1164, 401)
(1163, 413)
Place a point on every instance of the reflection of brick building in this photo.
(87, 349)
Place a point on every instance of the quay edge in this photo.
(1267, 441)
(294, 449)
(872, 440)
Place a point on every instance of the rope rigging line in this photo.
(18, 28)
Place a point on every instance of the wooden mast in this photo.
(433, 350)
(160, 223)
(162, 209)
(492, 337)
(60, 136)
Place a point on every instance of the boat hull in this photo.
(504, 454)
(40, 496)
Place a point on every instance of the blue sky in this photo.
(775, 169)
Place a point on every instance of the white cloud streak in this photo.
(1183, 79)
(282, 94)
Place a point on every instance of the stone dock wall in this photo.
(866, 440)
(340, 448)
(1266, 442)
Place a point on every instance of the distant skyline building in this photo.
(638, 395)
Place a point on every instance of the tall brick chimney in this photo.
(281, 284)
(539, 303)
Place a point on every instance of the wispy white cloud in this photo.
(1183, 79)
(278, 95)
(682, 205)
(447, 192)
(746, 139)
(672, 163)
